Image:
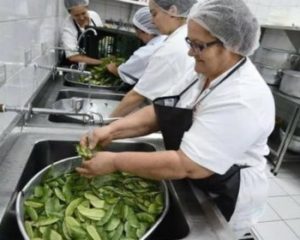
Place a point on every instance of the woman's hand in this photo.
(112, 67)
(102, 163)
(98, 136)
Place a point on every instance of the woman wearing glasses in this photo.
(215, 128)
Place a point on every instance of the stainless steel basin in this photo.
(191, 215)
(100, 103)
(173, 226)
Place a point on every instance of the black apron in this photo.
(173, 122)
(81, 45)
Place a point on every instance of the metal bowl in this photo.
(72, 79)
(61, 167)
(277, 58)
(271, 75)
(290, 83)
(294, 144)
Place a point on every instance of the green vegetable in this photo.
(111, 207)
(100, 76)
(85, 153)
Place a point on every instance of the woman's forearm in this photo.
(84, 59)
(131, 101)
(136, 124)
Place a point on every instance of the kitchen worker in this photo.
(215, 127)
(132, 70)
(169, 62)
(74, 25)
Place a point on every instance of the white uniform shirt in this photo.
(166, 67)
(69, 34)
(133, 69)
(231, 126)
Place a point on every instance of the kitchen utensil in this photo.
(277, 58)
(271, 75)
(290, 83)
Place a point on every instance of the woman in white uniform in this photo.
(74, 25)
(132, 70)
(215, 127)
(169, 63)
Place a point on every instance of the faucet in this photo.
(62, 69)
(68, 49)
(83, 34)
(89, 117)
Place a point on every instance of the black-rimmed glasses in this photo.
(197, 47)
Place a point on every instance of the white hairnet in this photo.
(231, 22)
(142, 19)
(183, 6)
(73, 3)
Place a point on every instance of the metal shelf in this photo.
(138, 2)
(279, 149)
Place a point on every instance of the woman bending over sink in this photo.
(215, 125)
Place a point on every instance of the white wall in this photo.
(276, 12)
(24, 26)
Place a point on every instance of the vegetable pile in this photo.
(117, 206)
(100, 76)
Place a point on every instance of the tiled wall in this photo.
(24, 26)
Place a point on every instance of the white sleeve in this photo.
(69, 38)
(220, 135)
(157, 78)
(133, 69)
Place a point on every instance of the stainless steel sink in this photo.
(174, 225)
(83, 101)
(36, 148)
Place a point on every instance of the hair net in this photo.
(183, 6)
(142, 19)
(231, 22)
(73, 3)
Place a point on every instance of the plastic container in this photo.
(110, 42)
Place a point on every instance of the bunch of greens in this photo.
(100, 76)
(85, 152)
(117, 206)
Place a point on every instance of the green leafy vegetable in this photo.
(100, 76)
(111, 207)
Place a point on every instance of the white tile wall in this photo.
(276, 12)
(24, 25)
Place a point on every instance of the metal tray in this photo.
(72, 79)
(61, 167)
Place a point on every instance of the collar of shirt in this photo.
(213, 83)
(177, 32)
(156, 39)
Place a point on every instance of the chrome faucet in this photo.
(83, 34)
(88, 117)
(62, 69)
